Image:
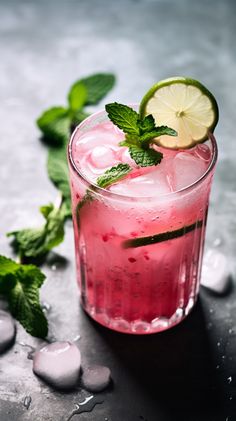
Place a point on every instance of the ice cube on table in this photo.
(96, 378)
(58, 364)
(215, 271)
(152, 183)
(187, 169)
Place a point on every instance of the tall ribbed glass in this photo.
(138, 258)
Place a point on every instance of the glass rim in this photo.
(103, 192)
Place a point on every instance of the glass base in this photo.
(141, 327)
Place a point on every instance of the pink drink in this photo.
(126, 286)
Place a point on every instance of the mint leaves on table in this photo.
(140, 133)
(97, 86)
(34, 243)
(20, 285)
(58, 173)
(56, 125)
(56, 122)
(77, 96)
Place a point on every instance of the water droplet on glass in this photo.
(218, 344)
(223, 357)
(53, 267)
(229, 379)
(231, 331)
(27, 402)
(231, 398)
(217, 367)
(209, 326)
(211, 310)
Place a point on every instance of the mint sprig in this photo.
(56, 122)
(97, 87)
(20, 285)
(58, 173)
(140, 133)
(56, 125)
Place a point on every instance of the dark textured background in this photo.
(189, 372)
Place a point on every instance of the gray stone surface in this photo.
(188, 373)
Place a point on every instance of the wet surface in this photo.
(189, 372)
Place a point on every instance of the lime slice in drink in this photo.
(184, 105)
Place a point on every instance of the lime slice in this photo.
(184, 105)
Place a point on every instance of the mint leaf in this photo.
(36, 242)
(130, 140)
(54, 227)
(156, 132)
(55, 123)
(147, 124)
(97, 85)
(77, 96)
(8, 269)
(23, 295)
(24, 301)
(59, 174)
(78, 117)
(29, 242)
(113, 175)
(123, 117)
(145, 157)
(7, 266)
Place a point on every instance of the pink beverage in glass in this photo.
(138, 243)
